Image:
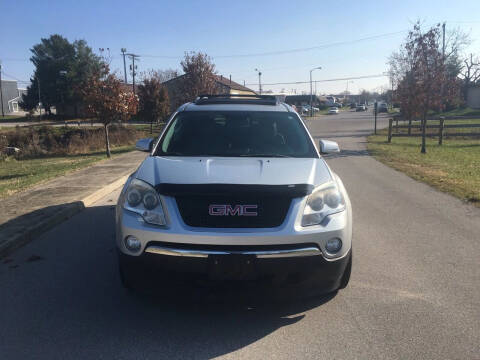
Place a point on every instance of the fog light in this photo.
(132, 243)
(333, 245)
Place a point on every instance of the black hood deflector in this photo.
(290, 191)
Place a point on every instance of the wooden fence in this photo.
(442, 127)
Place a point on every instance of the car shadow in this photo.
(61, 294)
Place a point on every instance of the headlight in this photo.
(142, 199)
(325, 200)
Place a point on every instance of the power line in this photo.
(290, 51)
(326, 80)
(15, 59)
(268, 84)
(14, 78)
(318, 47)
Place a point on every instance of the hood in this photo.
(214, 170)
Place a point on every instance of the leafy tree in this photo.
(29, 99)
(60, 66)
(198, 77)
(154, 103)
(107, 100)
(419, 71)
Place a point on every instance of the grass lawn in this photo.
(10, 117)
(460, 112)
(453, 167)
(16, 175)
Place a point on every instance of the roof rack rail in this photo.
(205, 99)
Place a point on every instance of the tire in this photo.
(346, 274)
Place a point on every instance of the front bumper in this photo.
(307, 272)
(289, 253)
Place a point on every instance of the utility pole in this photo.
(1, 89)
(259, 81)
(123, 50)
(133, 67)
(311, 90)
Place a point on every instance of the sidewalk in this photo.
(28, 213)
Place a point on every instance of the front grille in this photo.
(271, 210)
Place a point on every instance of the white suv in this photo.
(235, 188)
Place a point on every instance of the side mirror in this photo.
(328, 147)
(144, 144)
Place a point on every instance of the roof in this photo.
(231, 84)
(220, 79)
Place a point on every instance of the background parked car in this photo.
(382, 107)
(306, 109)
(333, 110)
(361, 107)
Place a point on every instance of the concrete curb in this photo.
(17, 241)
(64, 213)
(97, 195)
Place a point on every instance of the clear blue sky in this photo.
(221, 28)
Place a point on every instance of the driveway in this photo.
(414, 292)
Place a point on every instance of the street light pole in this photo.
(259, 81)
(311, 89)
(346, 91)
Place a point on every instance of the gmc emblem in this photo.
(228, 210)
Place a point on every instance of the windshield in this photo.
(236, 133)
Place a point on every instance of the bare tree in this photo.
(470, 73)
(161, 75)
(455, 42)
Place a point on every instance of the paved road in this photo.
(414, 292)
